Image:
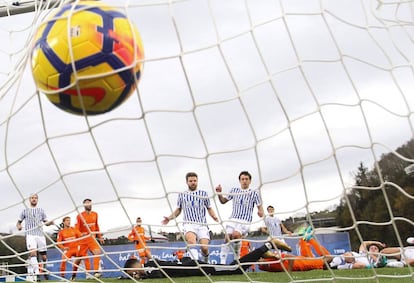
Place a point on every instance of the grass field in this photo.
(382, 275)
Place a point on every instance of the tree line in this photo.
(379, 206)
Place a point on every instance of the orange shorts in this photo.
(70, 253)
(88, 244)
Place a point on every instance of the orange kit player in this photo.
(306, 261)
(246, 248)
(66, 241)
(87, 224)
(137, 236)
(179, 254)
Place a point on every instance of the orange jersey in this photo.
(137, 235)
(300, 263)
(68, 234)
(244, 248)
(179, 254)
(88, 223)
(306, 261)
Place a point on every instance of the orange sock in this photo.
(96, 263)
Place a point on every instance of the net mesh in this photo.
(296, 92)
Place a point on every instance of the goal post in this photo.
(299, 93)
(23, 7)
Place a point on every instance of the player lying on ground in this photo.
(277, 262)
(158, 268)
(368, 256)
(403, 256)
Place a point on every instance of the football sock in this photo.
(96, 263)
(193, 254)
(204, 257)
(35, 264)
(224, 251)
(236, 246)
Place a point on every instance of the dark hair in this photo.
(245, 173)
(132, 266)
(190, 174)
(270, 207)
(64, 218)
(378, 246)
(87, 199)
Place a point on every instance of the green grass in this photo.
(382, 275)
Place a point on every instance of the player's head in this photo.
(192, 180)
(33, 199)
(374, 248)
(270, 210)
(245, 179)
(132, 267)
(66, 221)
(87, 204)
(139, 221)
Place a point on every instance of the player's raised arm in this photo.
(260, 211)
(222, 199)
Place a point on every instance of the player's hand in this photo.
(136, 242)
(166, 220)
(152, 241)
(219, 189)
(102, 241)
(19, 226)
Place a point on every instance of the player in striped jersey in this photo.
(244, 200)
(34, 218)
(194, 203)
(274, 227)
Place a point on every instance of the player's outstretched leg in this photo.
(278, 244)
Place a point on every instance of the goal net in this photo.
(299, 93)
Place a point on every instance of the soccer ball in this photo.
(87, 58)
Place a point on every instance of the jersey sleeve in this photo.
(99, 235)
(22, 215)
(207, 202)
(44, 217)
(78, 222)
(230, 196)
(131, 235)
(258, 199)
(180, 200)
(60, 239)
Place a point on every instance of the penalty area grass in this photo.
(382, 275)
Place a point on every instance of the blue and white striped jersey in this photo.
(273, 226)
(244, 201)
(194, 205)
(33, 218)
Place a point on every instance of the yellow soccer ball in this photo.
(87, 58)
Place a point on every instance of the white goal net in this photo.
(297, 92)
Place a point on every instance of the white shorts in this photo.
(361, 257)
(201, 231)
(407, 254)
(236, 225)
(36, 243)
